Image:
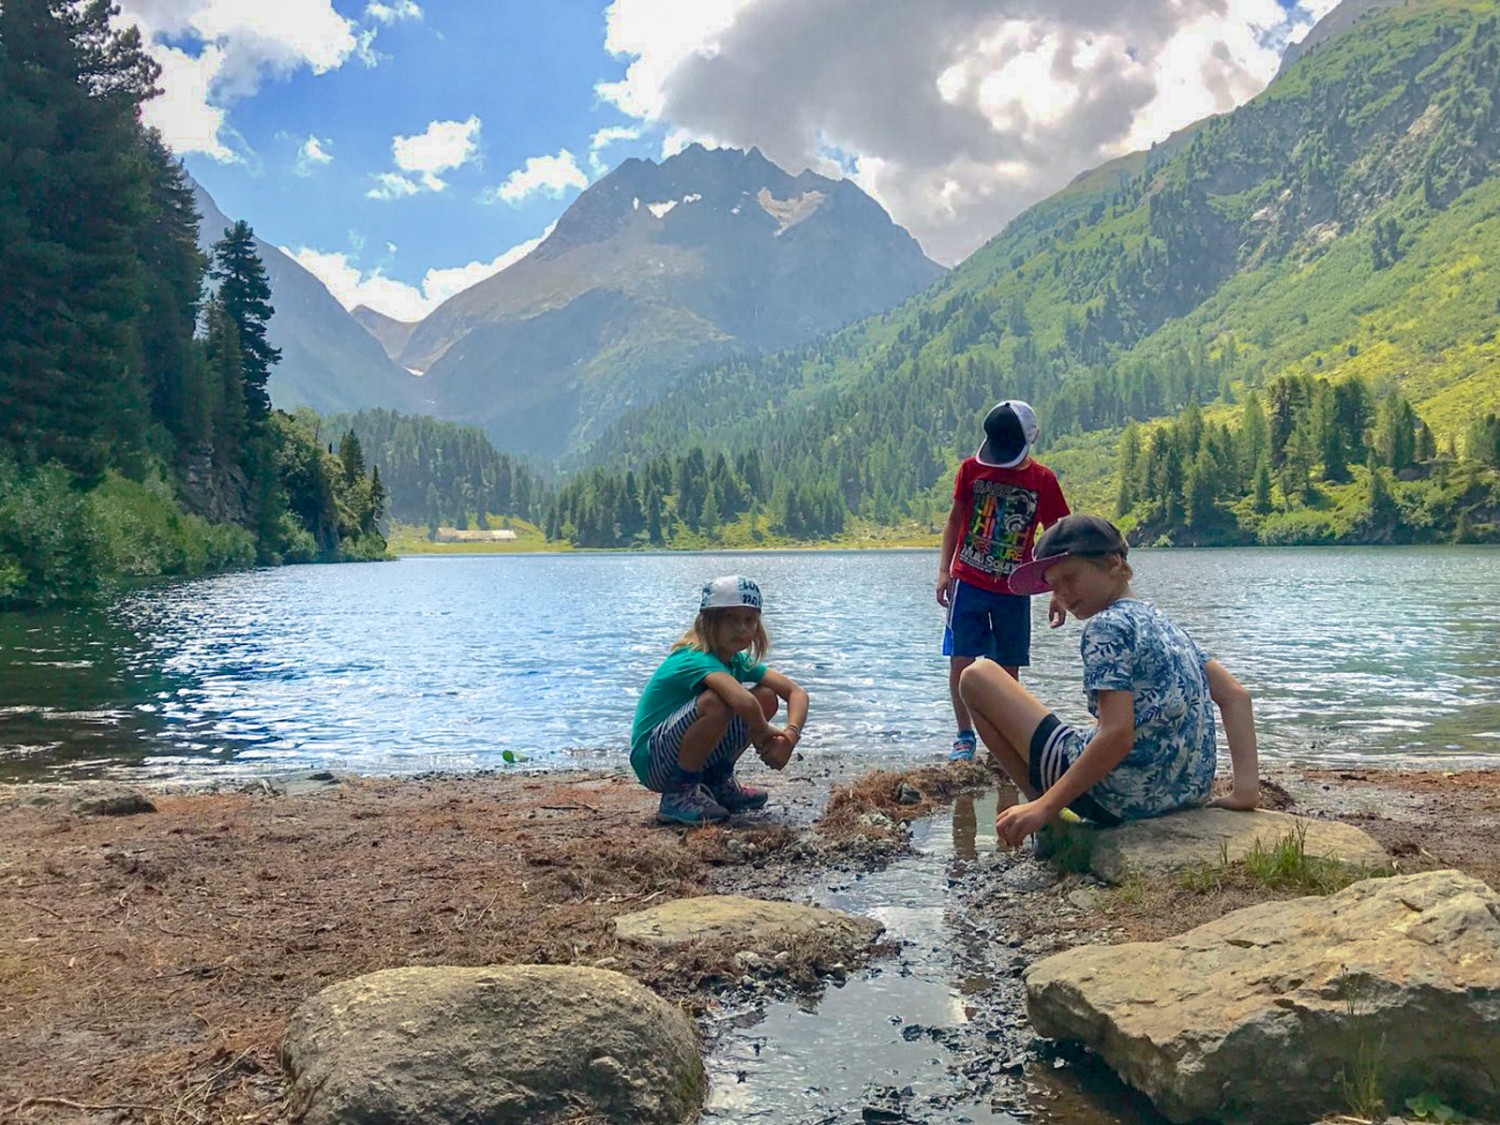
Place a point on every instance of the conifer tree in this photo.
(71, 204)
(246, 296)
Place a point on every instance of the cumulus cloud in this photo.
(956, 114)
(239, 44)
(443, 146)
(353, 287)
(392, 185)
(313, 153)
(603, 139)
(551, 176)
(393, 12)
(182, 110)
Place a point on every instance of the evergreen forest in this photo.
(136, 435)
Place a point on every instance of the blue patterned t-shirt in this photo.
(1131, 645)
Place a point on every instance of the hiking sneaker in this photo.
(692, 804)
(963, 747)
(738, 798)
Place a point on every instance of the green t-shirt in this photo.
(677, 681)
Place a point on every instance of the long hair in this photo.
(704, 635)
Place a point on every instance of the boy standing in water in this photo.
(1000, 498)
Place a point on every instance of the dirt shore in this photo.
(149, 962)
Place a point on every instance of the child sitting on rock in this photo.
(1150, 687)
(696, 715)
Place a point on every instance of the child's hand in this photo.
(1014, 824)
(1056, 614)
(776, 751)
(944, 590)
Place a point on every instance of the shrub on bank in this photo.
(147, 535)
(51, 549)
(62, 545)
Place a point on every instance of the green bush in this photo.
(1301, 527)
(148, 535)
(51, 550)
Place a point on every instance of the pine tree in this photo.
(174, 269)
(1261, 489)
(72, 200)
(246, 296)
(351, 457)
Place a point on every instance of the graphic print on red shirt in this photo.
(1004, 509)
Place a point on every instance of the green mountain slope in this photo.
(1344, 223)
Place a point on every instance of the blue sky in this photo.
(403, 149)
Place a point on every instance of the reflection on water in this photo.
(939, 1034)
(444, 663)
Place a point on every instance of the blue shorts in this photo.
(984, 623)
(663, 772)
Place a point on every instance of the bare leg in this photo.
(699, 740)
(1006, 715)
(956, 667)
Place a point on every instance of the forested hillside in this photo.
(438, 473)
(136, 435)
(1344, 224)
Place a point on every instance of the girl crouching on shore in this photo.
(709, 701)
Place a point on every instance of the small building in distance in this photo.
(454, 535)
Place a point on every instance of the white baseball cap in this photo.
(730, 591)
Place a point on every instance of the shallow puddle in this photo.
(937, 1034)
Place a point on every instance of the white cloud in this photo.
(392, 185)
(393, 12)
(182, 111)
(312, 154)
(955, 114)
(395, 298)
(551, 176)
(603, 139)
(443, 146)
(240, 44)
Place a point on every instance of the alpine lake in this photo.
(1356, 657)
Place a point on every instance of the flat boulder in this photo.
(521, 1043)
(1269, 1013)
(1187, 839)
(751, 923)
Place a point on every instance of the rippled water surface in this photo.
(1375, 655)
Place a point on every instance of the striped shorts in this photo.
(664, 773)
(1054, 747)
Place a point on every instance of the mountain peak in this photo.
(653, 269)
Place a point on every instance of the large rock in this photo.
(526, 1043)
(751, 923)
(1186, 839)
(1260, 1015)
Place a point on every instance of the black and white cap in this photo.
(1010, 430)
(729, 592)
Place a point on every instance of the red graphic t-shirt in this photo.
(1004, 508)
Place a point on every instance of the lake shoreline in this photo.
(162, 952)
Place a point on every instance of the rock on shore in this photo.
(1183, 839)
(750, 922)
(525, 1043)
(1265, 1013)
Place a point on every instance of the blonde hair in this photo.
(704, 635)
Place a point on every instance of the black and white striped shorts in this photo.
(664, 773)
(1054, 747)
